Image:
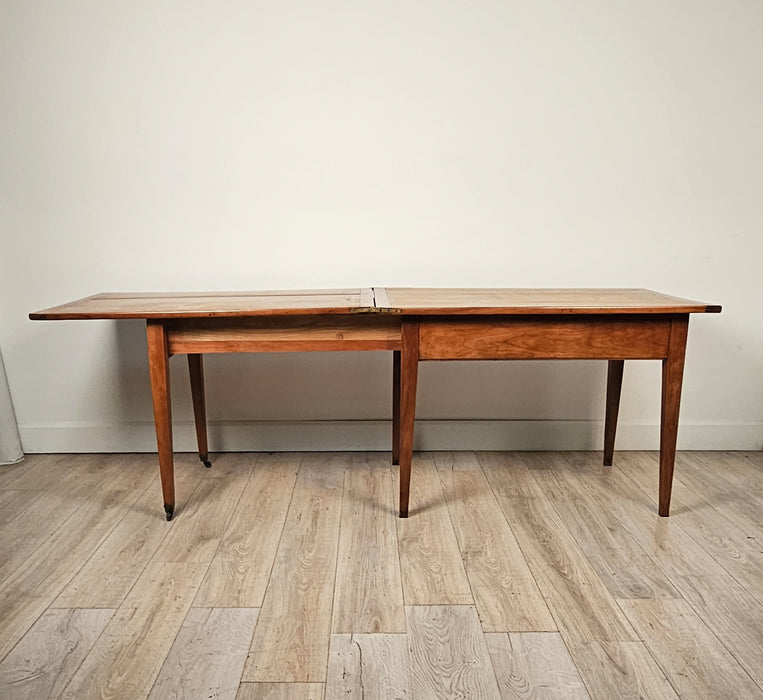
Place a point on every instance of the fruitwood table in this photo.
(416, 325)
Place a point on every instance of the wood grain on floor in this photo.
(290, 577)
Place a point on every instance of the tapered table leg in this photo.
(396, 407)
(614, 385)
(409, 368)
(672, 378)
(196, 372)
(159, 369)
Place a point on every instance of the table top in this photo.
(416, 301)
(406, 301)
(213, 304)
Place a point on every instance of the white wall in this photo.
(251, 145)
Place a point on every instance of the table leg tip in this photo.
(205, 461)
(169, 511)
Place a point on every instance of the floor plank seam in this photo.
(689, 630)
(82, 661)
(675, 522)
(272, 565)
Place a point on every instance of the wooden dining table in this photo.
(415, 324)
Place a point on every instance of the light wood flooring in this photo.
(517, 575)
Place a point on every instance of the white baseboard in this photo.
(350, 435)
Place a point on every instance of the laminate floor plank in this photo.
(196, 536)
(292, 635)
(576, 596)
(619, 560)
(368, 595)
(733, 614)
(448, 654)
(505, 592)
(24, 534)
(368, 666)
(541, 460)
(77, 479)
(115, 566)
(455, 461)
(45, 659)
(738, 551)
(430, 560)
(621, 670)
(10, 474)
(15, 502)
(103, 598)
(672, 549)
(239, 572)
(38, 472)
(534, 665)
(127, 657)
(716, 481)
(29, 590)
(693, 659)
(280, 691)
(733, 477)
(130, 473)
(208, 655)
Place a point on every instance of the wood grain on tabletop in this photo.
(538, 301)
(406, 300)
(203, 304)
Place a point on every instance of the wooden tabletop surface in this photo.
(416, 301)
(408, 301)
(214, 304)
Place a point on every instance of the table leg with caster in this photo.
(159, 369)
(196, 372)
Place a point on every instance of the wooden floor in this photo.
(517, 575)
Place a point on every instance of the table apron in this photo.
(283, 334)
(546, 338)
